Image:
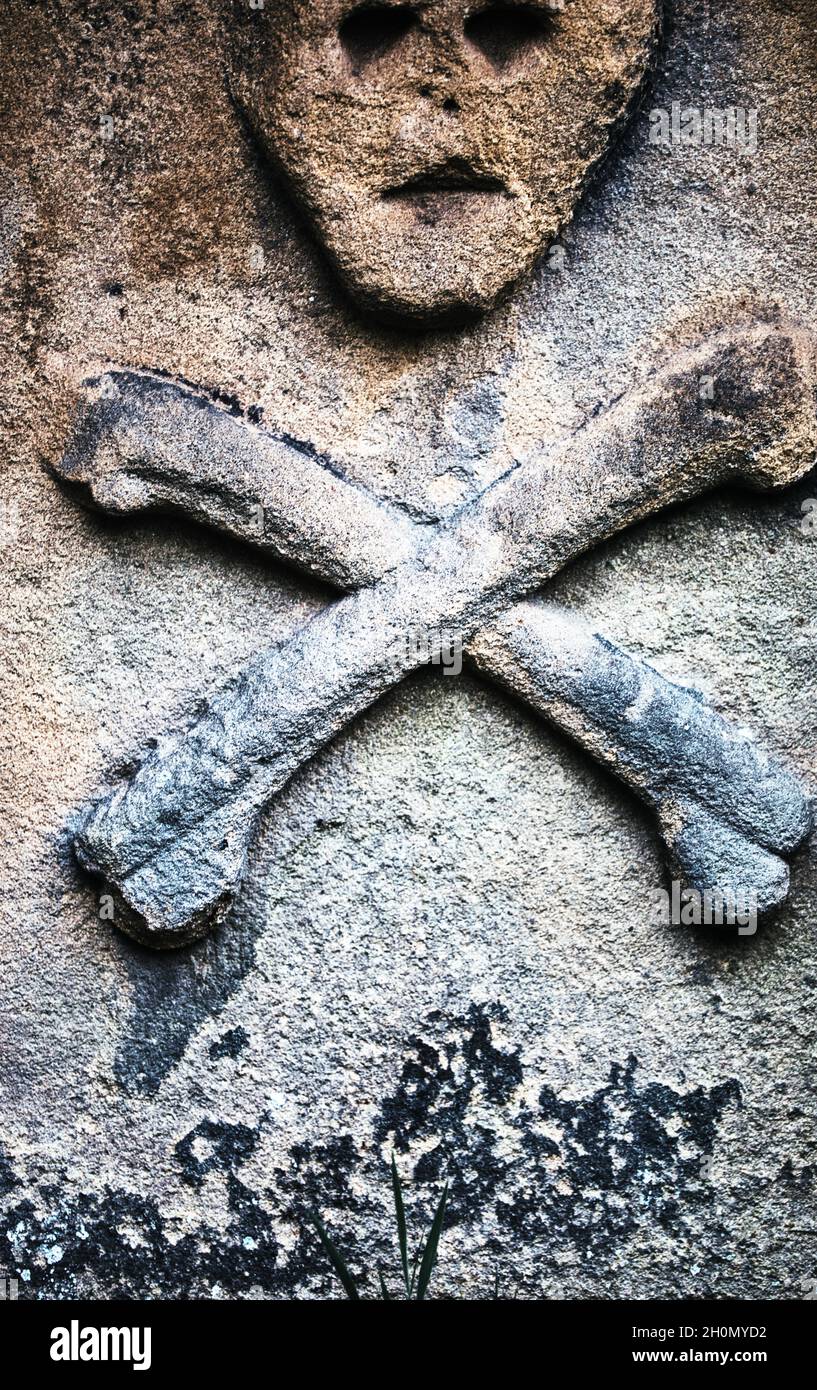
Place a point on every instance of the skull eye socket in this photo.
(371, 30)
(506, 34)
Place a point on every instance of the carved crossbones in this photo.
(172, 839)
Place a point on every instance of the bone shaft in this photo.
(156, 446)
(657, 737)
(613, 473)
(296, 698)
(283, 708)
(292, 701)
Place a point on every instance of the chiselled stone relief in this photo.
(353, 347)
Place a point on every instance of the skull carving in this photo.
(437, 147)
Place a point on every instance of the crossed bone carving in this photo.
(172, 839)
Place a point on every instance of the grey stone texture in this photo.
(172, 838)
(443, 945)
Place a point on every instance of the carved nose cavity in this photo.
(439, 97)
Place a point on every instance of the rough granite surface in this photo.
(445, 947)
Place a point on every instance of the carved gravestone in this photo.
(313, 276)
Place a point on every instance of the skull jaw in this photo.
(432, 261)
(441, 262)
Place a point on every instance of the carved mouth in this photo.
(447, 184)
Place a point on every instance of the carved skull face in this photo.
(437, 147)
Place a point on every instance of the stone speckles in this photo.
(433, 177)
(584, 1171)
(449, 850)
(173, 840)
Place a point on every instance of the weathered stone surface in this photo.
(444, 942)
(173, 840)
(438, 149)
